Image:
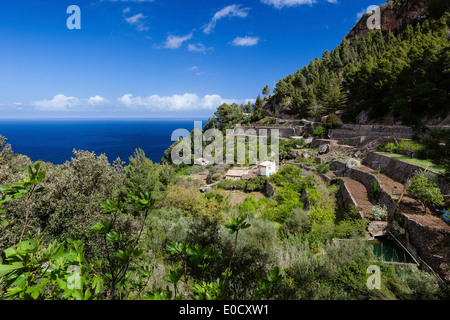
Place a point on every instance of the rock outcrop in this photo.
(393, 16)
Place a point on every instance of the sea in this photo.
(53, 140)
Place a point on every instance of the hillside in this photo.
(399, 74)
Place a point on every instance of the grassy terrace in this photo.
(415, 161)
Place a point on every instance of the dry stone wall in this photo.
(402, 171)
(353, 130)
(284, 132)
(368, 180)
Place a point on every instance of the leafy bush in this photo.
(193, 203)
(320, 132)
(278, 180)
(291, 172)
(410, 146)
(298, 222)
(323, 168)
(288, 195)
(230, 184)
(250, 185)
(435, 147)
(424, 191)
(376, 189)
(379, 212)
(271, 120)
(333, 122)
(391, 146)
(348, 229)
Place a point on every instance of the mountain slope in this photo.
(401, 72)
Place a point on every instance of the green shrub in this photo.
(391, 146)
(424, 191)
(410, 146)
(250, 185)
(298, 222)
(323, 168)
(348, 229)
(333, 122)
(376, 190)
(278, 180)
(249, 205)
(320, 132)
(288, 195)
(287, 170)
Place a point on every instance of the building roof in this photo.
(237, 173)
(266, 164)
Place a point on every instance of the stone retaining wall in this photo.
(367, 179)
(270, 190)
(354, 130)
(347, 199)
(402, 171)
(426, 243)
(284, 132)
(429, 244)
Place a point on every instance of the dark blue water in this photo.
(54, 140)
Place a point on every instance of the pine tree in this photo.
(266, 90)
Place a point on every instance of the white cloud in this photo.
(174, 42)
(234, 10)
(128, 102)
(245, 41)
(126, 10)
(185, 102)
(199, 47)
(290, 3)
(137, 21)
(96, 100)
(61, 102)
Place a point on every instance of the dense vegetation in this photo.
(95, 230)
(403, 75)
(91, 229)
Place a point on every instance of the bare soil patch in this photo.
(360, 194)
(237, 197)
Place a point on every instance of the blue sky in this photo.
(157, 58)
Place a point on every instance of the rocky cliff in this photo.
(394, 14)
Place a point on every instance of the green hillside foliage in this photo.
(405, 74)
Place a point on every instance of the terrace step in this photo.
(388, 184)
(359, 193)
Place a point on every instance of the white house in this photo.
(267, 168)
